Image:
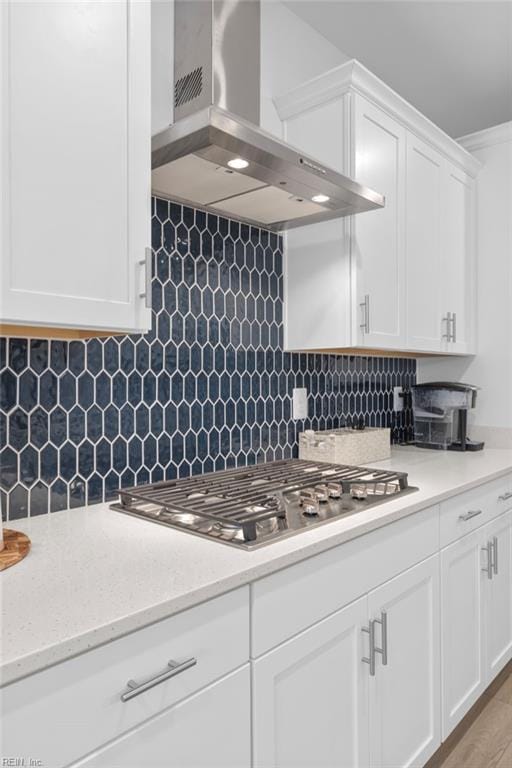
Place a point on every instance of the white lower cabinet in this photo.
(476, 586)
(462, 616)
(498, 603)
(318, 701)
(208, 730)
(310, 697)
(405, 722)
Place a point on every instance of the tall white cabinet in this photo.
(75, 164)
(396, 279)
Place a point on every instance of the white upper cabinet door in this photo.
(378, 236)
(463, 675)
(405, 722)
(425, 168)
(75, 155)
(209, 730)
(457, 238)
(310, 697)
(498, 602)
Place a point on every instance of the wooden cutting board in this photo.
(16, 547)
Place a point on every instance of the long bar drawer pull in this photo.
(488, 568)
(383, 650)
(470, 514)
(494, 544)
(135, 689)
(370, 659)
(505, 496)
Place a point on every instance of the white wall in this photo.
(291, 53)
(491, 369)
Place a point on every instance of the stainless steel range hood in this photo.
(215, 156)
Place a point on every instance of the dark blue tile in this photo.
(18, 503)
(58, 426)
(76, 425)
(67, 461)
(49, 463)
(58, 356)
(85, 390)
(28, 390)
(94, 424)
(18, 354)
(94, 489)
(58, 496)
(76, 357)
(29, 466)
(38, 501)
(8, 468)
(103, 390)
(67, 391)
(77, 492)
(86, 459)
(38, 355)
(103, 457)
(48, 390)
(18, 429)
(8, 387)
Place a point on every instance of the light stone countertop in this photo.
(94, 574)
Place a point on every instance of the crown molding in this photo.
(497, 134)
(354, 77)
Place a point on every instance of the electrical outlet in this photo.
(398, 398)
(300, 403)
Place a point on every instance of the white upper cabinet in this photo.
(400, 278)
(423, 242)
(75, 164)
(378, 240)
(457, 244)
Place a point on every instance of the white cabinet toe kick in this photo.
(364, 656)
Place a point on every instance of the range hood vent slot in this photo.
(188, 87)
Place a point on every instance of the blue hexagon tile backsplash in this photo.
(208, 387)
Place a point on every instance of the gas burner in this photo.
(252, 506)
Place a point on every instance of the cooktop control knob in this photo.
(335, 490)
(309, 502)
(322, 492)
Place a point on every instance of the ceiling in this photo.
(452, 59)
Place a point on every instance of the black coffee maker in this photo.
(440, 412)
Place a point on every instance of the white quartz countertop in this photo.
(94, 574)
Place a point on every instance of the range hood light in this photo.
(320, 198)
(238, 163)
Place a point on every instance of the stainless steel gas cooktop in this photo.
(252, 506)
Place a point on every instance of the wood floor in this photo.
(484, 738)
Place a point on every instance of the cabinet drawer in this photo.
(66, 711)
(468, 511)
(287, 602)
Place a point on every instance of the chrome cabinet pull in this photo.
(488, 567)
(494, 549)
(135, 689)
(383, 650)
(146, 263)
(365, 306)
(454, 328)
(370, 659)
(448, 321)
(505, 496)
(472, 513)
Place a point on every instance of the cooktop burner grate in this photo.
(244, 503)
